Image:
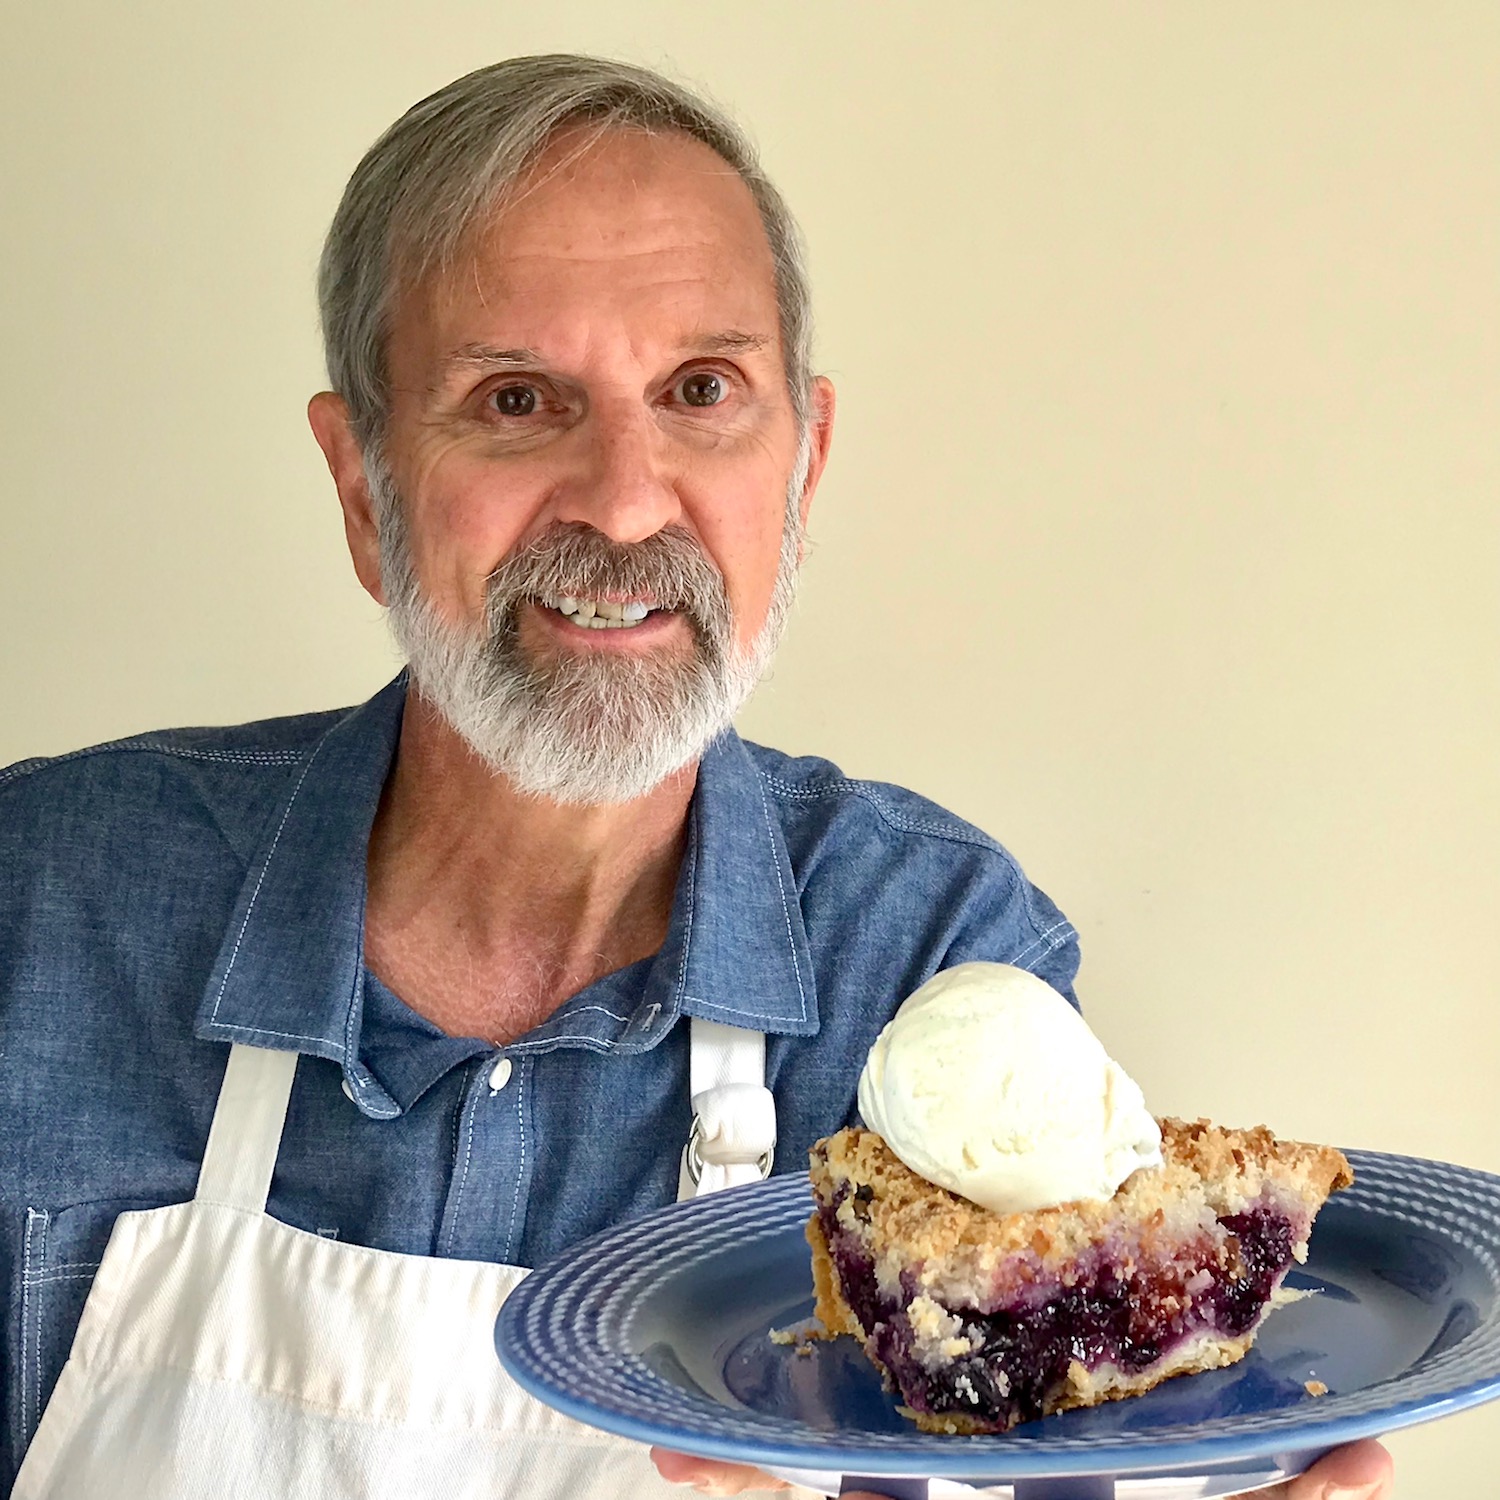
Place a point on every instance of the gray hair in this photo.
(449, 163)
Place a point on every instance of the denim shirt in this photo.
(166, 895)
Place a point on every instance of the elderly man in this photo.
(317, 1032)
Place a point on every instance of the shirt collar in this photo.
(736, 939)
(290, 969)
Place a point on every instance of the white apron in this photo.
(224, 1354)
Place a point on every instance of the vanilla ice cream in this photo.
(988, 1083)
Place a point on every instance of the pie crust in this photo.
(982, 1320)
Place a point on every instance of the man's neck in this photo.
(486, 908)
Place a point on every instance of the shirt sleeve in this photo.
(1012, 921)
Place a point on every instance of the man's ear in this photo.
(328, 416)
(820, 434)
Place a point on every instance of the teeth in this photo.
(600, 614)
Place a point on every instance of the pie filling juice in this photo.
(1019, 1354)
(1015, 1234)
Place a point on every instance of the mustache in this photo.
(668, 570)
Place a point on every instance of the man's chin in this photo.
(582, 765)
(573, 718)
(585, 731)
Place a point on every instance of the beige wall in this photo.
(1160, 537)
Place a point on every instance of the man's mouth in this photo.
(602, 614)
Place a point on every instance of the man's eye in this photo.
(515, 400)
(702, 389)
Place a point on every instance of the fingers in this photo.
(1360, 1471)
(711, 1476)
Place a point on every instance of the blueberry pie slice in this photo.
(982, 1320)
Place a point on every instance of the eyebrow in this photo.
(731, 342)
(489, 357)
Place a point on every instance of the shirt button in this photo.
(348, 1092)
(500, 1075)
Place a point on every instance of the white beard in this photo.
(588, 728)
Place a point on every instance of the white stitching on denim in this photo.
(515, 1201)
(976, 838)
(63, 1276)
(1028, 896)
(786, 912)
(24, 768)
(950, 831)
(31, 1314)
(603, 1010)
(692, 881)
(821, 789)
(260, 880)
(708, 1008)
(550, 1043)
(380, 1112)
(70, 1265)
(546, 1043)
(356, 989)
(1044, 938)
(254, 1031)
(230, 757)
(470, 1110)
(1041, 941)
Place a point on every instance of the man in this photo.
(433, 981)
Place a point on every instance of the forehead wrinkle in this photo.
(481, 358)
(488, 356)
(499, 273)
(501, 261)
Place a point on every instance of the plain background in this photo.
(1160, 537)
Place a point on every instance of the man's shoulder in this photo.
(264, 743)
(226, 775)
(811, 788)
(899, 876)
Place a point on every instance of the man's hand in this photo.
(1362, 1471)
(711, 1476)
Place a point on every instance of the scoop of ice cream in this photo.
(988, 1083)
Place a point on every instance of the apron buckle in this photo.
(692, 1155)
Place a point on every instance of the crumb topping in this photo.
(1171, 1275)
(954, 1245)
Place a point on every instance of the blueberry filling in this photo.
(1265, 1251)
(1019, 1358)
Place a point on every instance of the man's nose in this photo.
(622, 485)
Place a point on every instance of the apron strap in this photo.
(246, 1133)
(733, 1138)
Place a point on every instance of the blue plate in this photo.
(659, 1331)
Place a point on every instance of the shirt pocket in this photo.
(61, 1249)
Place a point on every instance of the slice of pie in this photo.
(981, 1320)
